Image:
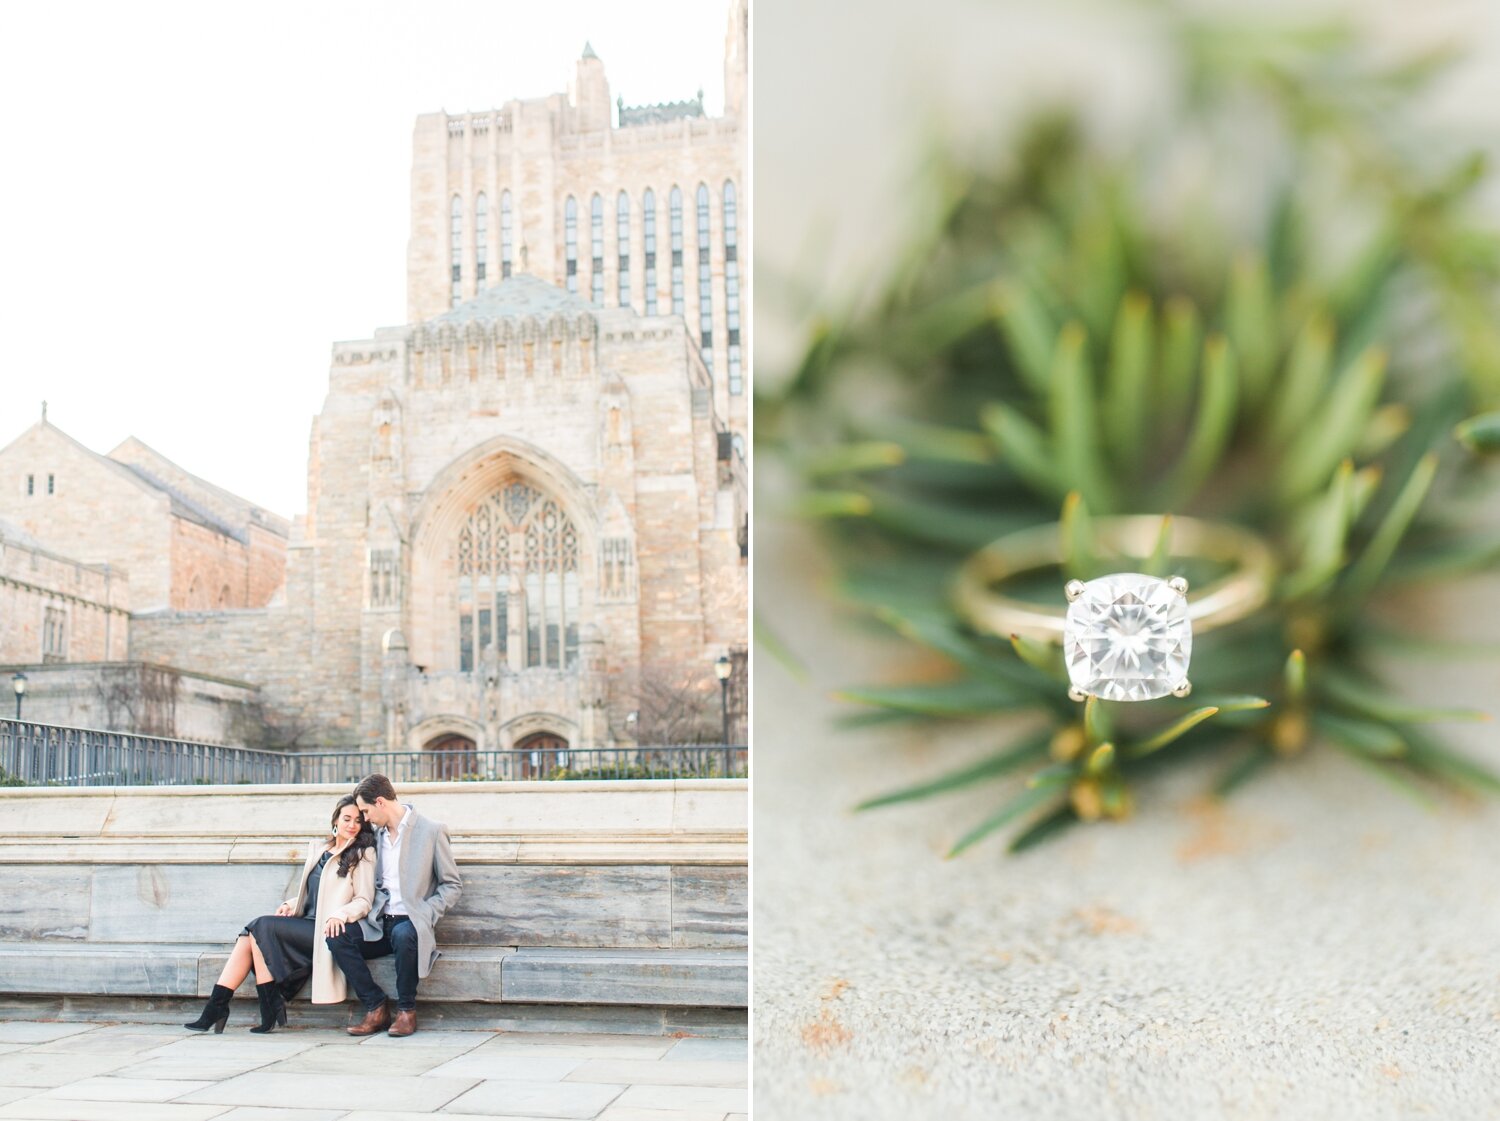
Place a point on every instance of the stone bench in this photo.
(490, 974)
(627, 896)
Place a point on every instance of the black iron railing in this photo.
(52, 755)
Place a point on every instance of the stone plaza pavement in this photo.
(155, 1072)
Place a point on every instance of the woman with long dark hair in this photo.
(337, 888)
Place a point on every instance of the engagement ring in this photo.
(1125, 636)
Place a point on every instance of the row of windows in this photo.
(481, 241)
(31, 485)
(703, 203)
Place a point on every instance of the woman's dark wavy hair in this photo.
(357, 847)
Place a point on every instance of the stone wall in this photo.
(90, 600)
(146, 699)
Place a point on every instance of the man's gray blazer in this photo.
(430, 885)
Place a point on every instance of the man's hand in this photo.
(284, 911)
(333, 927)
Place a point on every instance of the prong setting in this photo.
(1077, 694)
(1183, 690)
(1178, 584)
(1073, 589)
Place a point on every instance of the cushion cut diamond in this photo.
(1127, 638)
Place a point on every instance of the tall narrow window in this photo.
(481, 238)
(622, 244)
(505, 242)
(732, 289)
(596, 229)
(705, 283)
(456, 249)
(674, 207)
(51, 485)
(30, 485)
(648, 229)
(570, 241)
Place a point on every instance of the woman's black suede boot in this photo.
(215, 1012)
(272, 1007)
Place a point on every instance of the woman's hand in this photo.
(333, 927)
(284, 911)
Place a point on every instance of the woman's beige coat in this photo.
(348, 897)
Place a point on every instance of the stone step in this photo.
(485, 974)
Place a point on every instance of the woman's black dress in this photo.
(286, 941)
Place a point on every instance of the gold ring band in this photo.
(1228, 599)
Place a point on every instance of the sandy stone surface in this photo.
(1321, 946)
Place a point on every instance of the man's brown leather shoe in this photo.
(375, 1021)
(406, 1022)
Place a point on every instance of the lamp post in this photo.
(723, 668)
(18, 682)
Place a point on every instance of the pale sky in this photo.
(199, 198)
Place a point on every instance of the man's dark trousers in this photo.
(351, 951)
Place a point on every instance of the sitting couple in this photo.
(376, 887)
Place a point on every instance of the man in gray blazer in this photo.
(416, 882)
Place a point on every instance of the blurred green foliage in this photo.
(1305, 340)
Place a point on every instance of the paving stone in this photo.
(508, 1045)
(592, 1040)
(112, 1089)
(629, 1113)
(242, 1045)
(539, 1099)
(708, 1072)
(30, 1031)
(503, 1065)
(139, 1046)
(208, 1068)
(318, 1091)
(692, 1050)
(686, 1097)
(457, 1040)
(9, 1094)
(27, 1068)
(353, 1062)
(70, 1109)
(265, 1113)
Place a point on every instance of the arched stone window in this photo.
(505, 234)
(570, 241)
(456, 249)
(518, 581)
(705, 283)
(622, 243)
(648, 230)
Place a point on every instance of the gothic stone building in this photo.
(526, 508)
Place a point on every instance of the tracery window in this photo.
(570, 241)
(674, 207)
(732, 289)
(518, 531)
(456, 249)
(481, 238)
(622, 244)
(505, 237)
(705, 283)
(648, 219)
(596, 228)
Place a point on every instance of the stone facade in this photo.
(56, 609)
(553, 187)
(181, 541)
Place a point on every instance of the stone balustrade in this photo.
(599, 894)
